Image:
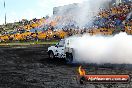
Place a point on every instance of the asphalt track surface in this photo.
(31, 68)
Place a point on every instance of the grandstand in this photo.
(116, 18)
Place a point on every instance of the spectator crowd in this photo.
(108, 21)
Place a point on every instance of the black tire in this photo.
(82, 80)
(51, 55)
(69, 58)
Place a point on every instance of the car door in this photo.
(60, 49)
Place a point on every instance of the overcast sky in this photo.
(28, 9)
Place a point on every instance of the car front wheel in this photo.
(51, 55)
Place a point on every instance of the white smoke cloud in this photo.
(98, 49)
(88, 10)
(83, 13)
(66, 2)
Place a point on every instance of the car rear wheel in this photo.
(69, 58)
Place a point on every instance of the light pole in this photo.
(5, 11)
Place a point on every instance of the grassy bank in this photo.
(28, 43)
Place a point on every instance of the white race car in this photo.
(61, 50)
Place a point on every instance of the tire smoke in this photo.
(100, 49)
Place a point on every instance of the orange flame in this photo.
(81, 71)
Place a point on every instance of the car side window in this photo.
(61, 43)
